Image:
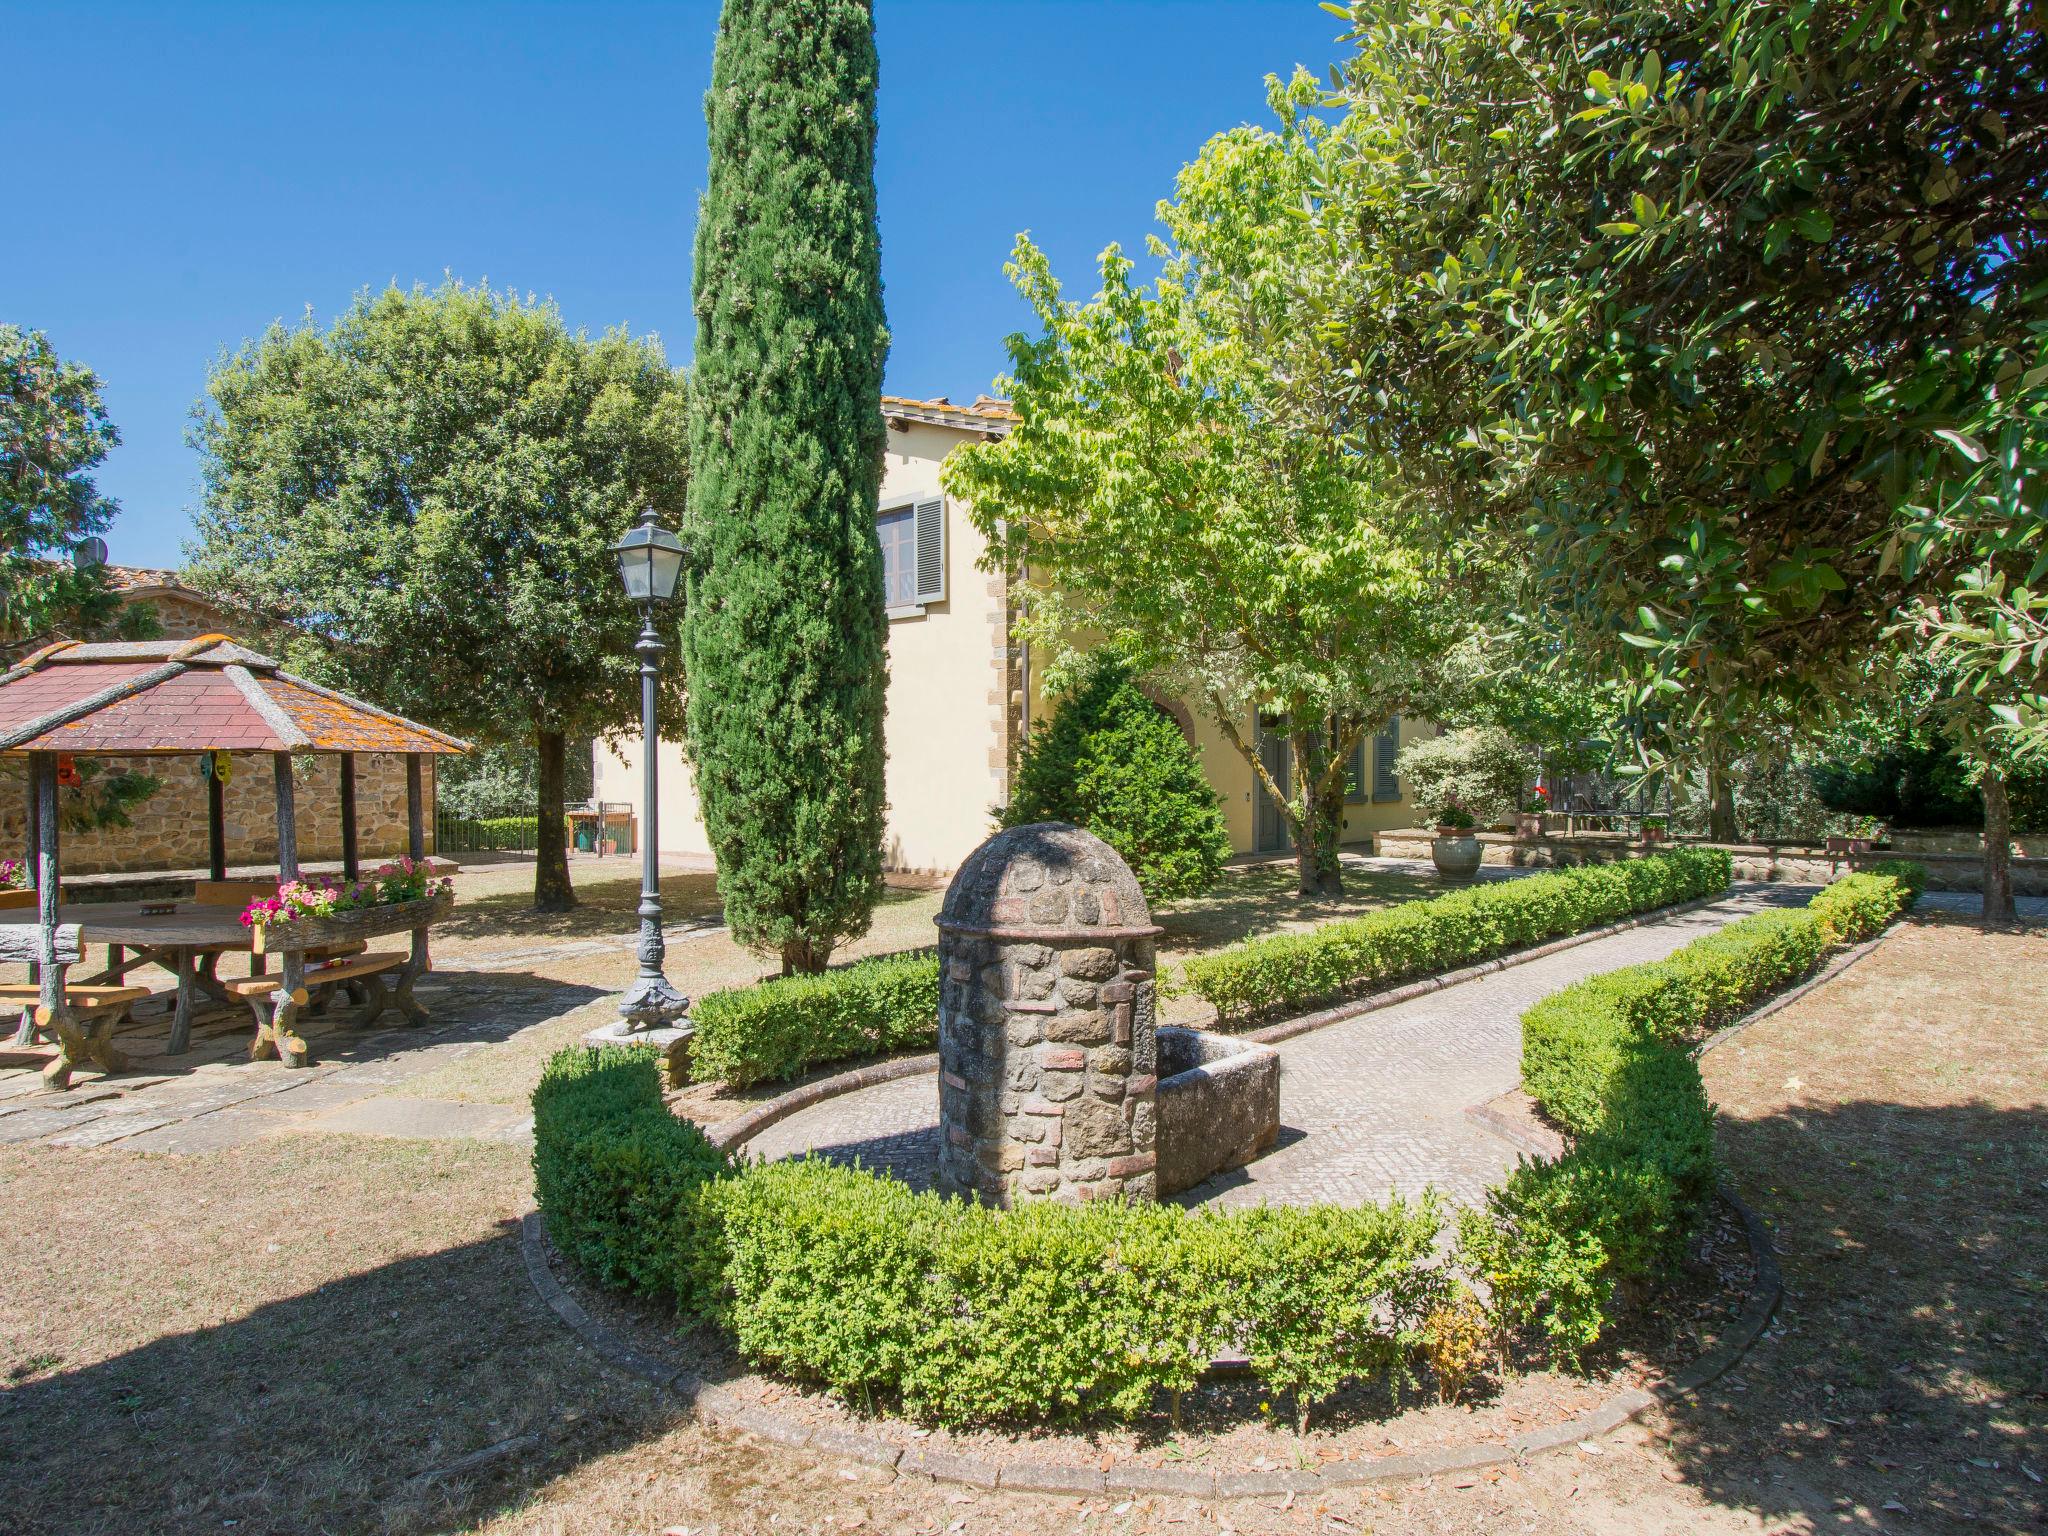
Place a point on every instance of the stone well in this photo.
(1047, 1047)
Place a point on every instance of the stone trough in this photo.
(1218, 1104)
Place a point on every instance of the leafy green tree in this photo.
(429, 490)
(1729, 312)
(1112, 760)
(54, 432)
(784, 634)
(1164, 491)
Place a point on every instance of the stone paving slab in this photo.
(1368, 1105)
(432, 1119)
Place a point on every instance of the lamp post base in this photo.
(671, 1040)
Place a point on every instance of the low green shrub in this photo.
(1296, 969)
(779, 1028)
(618, 1177)
(969, 1315)
(1609, 1060)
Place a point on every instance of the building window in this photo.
(1354, 774)
(913, 539)
(1385, 748)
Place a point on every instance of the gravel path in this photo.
(1373, 1104)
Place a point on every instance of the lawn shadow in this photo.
(417, 1396)
(1902, 1387)
(1246, 903)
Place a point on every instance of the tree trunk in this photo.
(1720, 801)
(1998, 905)
(802, 957)
(551, 889)
(1318, 821)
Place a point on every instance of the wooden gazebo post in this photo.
(416, 849)
(351, 861)
(290, 995)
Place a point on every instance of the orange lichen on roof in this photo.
(202, 695)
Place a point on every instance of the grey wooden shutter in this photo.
(1354, 774)
(1384, 746)
(931, 550)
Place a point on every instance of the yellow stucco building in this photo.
(962, 696)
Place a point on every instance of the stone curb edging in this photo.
(726, 1407)
(738, 1131)
(743, 1128)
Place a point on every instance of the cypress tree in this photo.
(783, 637)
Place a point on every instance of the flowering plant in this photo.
(324, 896)
(13, 874)
(1454, 817)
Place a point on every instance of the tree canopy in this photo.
(54, 432)
(1728, 314)
(1168, 489)
(785, 633)
(428, 491)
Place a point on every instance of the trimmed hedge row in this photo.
(777, 1029)
(964, 1315)
(1609, 1059)
(1296, 969)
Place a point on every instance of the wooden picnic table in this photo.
(189, 941)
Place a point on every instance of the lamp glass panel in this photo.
(636, 569)
(663, 567)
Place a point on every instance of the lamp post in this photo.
(650, 562)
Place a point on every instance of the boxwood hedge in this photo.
(1610, 1061)
(778, 1029)
(963, 1315)
(1288, 970)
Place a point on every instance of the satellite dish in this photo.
(87, 553)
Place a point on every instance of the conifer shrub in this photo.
(1111, 760)
(784, 637)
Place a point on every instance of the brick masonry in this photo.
(1047, 1042)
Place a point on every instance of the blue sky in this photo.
(181, 175)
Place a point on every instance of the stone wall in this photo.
(169, 830)
(1047, 1036)
(1753, 861)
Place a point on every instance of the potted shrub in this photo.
(1456, 851)
(1654, 829)
(1529, 820)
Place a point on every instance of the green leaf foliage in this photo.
(1483, 769)
(784, 636)
(1609, 1059)
(54, 432)
(1113, 761)
(1292, 970)
(429, 490)
(778, 1029)
(616, 1175)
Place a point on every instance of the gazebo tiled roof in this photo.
(202, 695)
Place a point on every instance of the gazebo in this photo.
(190, 697)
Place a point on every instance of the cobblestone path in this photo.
(1373, 1104)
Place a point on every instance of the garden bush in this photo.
(779, 1028)
(1295, 969)
(1111, 760)
(1609, 1059)
(969, 1315)
(1483, 769)
(618, 1177)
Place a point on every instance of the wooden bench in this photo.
(364, 969)
(86, 999)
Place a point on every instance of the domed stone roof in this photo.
(1048, 880)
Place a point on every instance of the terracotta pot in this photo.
(1528, 823)
(1456, 855)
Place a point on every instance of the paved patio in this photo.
(1372, 1104)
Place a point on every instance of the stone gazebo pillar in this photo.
(1048, 1060)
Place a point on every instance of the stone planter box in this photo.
(1219, 1104)
(351, 927)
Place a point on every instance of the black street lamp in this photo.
(650, 562)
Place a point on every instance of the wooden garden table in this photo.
(182, 941)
